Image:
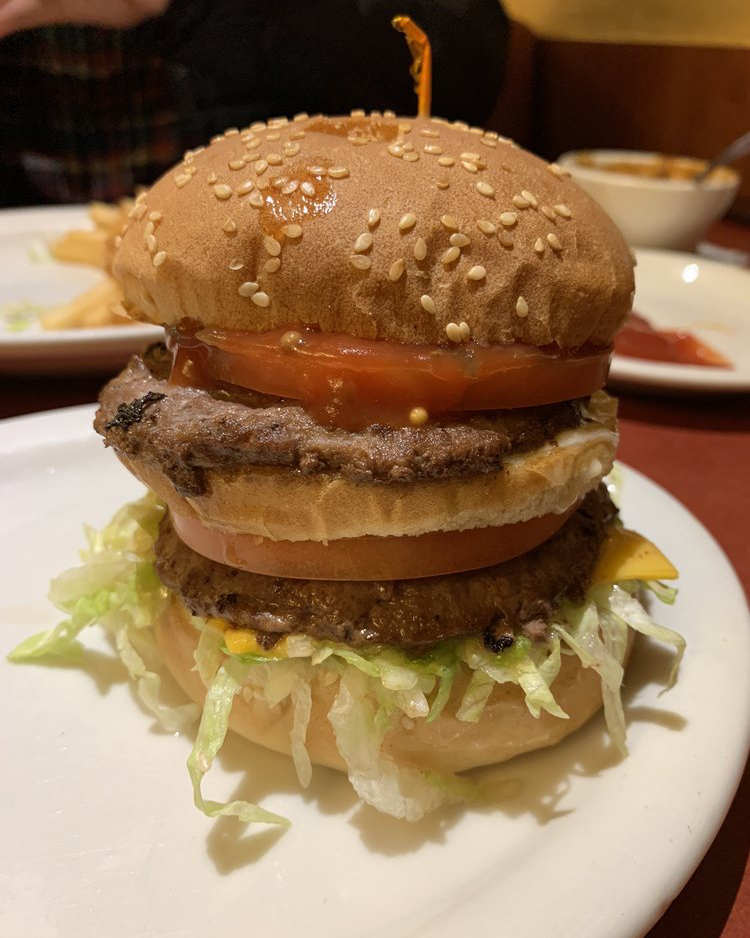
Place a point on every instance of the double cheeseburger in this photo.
(376, 439)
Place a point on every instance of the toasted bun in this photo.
(287, 506)
(219, 220)
(506, 728)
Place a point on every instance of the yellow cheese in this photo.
(629, 556)
(244, 642)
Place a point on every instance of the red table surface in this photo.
(698, 449)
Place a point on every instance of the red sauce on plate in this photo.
(639, 339)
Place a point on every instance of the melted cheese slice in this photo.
(626, 555)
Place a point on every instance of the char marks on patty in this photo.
(187, 431)
(519, 594)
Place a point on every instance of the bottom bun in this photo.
(505, 729)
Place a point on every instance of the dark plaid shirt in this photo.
(89, 113)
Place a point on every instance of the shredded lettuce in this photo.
(117, 588)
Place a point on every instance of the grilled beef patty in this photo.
(186, 431)
(519, 594)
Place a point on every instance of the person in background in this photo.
(98, 97)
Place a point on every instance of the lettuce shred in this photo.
(117, 588)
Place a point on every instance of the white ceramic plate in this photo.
(711, 300)
(29, 275)
(101, 837)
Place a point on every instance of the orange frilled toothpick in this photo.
(421, 68)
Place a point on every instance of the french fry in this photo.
(92, 308)
(82, 247)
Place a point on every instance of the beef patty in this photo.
(519, 594)
(187, 431)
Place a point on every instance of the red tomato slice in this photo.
(370, 558)
(352, 382)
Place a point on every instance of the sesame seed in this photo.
(547, 212)
(272, 265)
(433, 149)
(554, 242)
(429, 133)
(302, 116)
(338, 172)
(260, 166)
(363, 242)
(476, 130)
(236, 264)
(486, 226)
(272, 137)
(231, 132)
(118, 240)
(428, 304)
(469, 167)
(151, 243)
(261, 298)
(522, 307)
(418, 416)
(262, 184)
(446, 161)
(159, 258)
(508, 219)
(292, 231)
(449, 222)
(530, 198)
(373, 217)
(539, 246)
(396, 150)
(245, 187)
(563, 211)
(139, 211)
(248, 288)
(465, 330)
(375, 114)
(181, 179)
(229, 226)
(396, 269)
(256, 200)
(477, 273)
(217, 138)
(253, 144)
(557, 170)
(308, 188)
(211, 179)
(360, 261)
(407, 221)
(451, 255)
(222, 191)
(519, 201)
(272, 246)
(453, 332)
(404, 127)
(291, 339)
(290, 187)
(258, 125)
(462, 125)
(411, 157)
(389, 114)
(273, 159)
(459, 240)
(472, 157)
(357, 112)
(291, 149)
(443, 183)
(505, 239)
(155, 216)
(236, 164)
(149, 229)
(488, 141)
(420, 249)
(297, 135)
(484, 188)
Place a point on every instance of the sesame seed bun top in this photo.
(382, 227)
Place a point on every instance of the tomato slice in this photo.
(353, 382)
(370, 558)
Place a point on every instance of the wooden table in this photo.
(700, 451)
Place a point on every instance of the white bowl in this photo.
(654, 213)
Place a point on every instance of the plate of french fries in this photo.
(60, 309)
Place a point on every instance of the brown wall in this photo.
(691, 101)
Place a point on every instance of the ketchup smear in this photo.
(639, 339)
